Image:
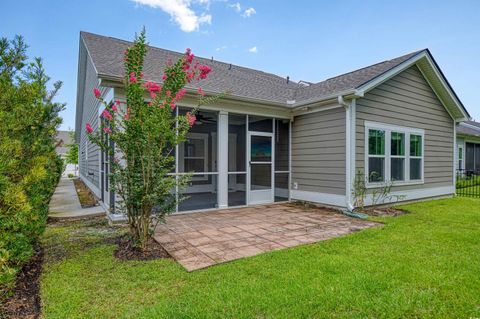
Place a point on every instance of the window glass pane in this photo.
(261, 176)
(415, 168)
(260, 124)
(376, 142)
(199, 194)
(199, 152)
(281, 187)
(261, 149)
(415, 145)
(376, 169)
(397, 169)
(237, 145)
(281, 144)
(237, 189)
(397, 144)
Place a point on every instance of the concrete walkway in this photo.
(65, 203)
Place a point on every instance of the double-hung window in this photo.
(460, 157)
(416, 157)
(393, 154)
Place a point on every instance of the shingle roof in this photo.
(463, 129)
(351, 80)
(107, 56)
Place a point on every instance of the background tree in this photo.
(145, 136)
(72, 154)
(29, 166)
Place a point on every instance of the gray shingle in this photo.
(107, 56)
(351, 80)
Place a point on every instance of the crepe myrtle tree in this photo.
(140, 138)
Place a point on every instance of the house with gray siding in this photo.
(392, 123)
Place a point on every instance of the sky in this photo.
(306, 40)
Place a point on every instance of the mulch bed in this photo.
(25, 301)
(385, 212)
(127, 251)
(86, 197)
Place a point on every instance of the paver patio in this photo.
(203, 239)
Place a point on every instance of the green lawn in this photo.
(423, 264)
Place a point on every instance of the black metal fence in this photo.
(468, 183)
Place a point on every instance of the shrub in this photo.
(29, 166)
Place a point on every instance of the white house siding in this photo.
(90, 168)
(318, 152)
(408, 100)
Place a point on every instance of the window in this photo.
(416, 157)
(460, 157)
(376, 155)
(397, 156)
(195, 154)
(394, 154)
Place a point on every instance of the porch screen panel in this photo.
(237, 160)
(282, 160)
(198, 156)
(470, 156)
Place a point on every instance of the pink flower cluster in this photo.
(204, 70)
(88, 128)
(115, 106)
(153, 88)
(191, 118)
(97, 93)
(107, 115)
(133, 78)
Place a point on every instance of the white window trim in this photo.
(196, 176)
(388, 128)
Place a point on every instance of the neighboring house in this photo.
(64, 139)
(468, 146)
(281, 140)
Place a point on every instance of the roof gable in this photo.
(434, 77)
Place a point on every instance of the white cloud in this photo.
(249, 12)
(181, 12)
(223, 47)
(236, 6)
(253, 50)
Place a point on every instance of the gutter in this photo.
(350, 109)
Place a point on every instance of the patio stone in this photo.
(203, 239)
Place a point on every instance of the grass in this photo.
(422, 264)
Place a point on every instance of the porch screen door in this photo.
(260, 168)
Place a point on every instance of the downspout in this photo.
(350, 137)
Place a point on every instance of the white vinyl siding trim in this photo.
(388, 129)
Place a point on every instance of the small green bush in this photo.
(29, 166)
